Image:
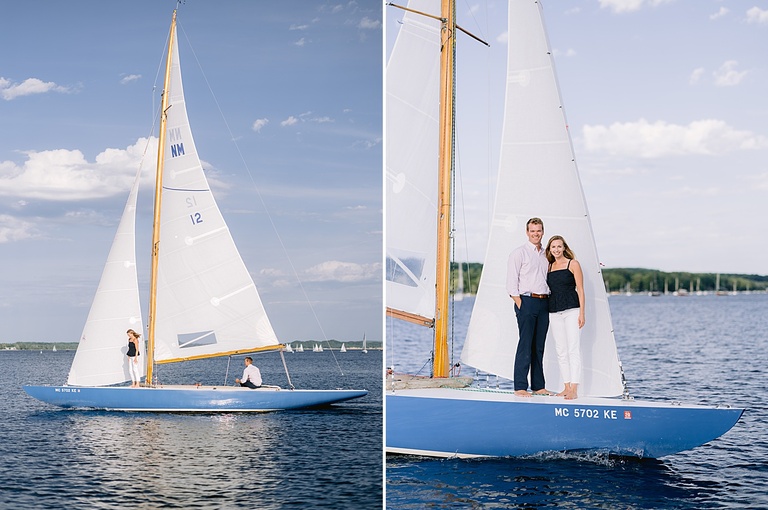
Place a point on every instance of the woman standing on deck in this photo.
(566, 311)
(133, 358)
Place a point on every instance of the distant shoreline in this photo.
(635, 279)
(332, 345)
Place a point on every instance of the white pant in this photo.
(134, 369)
(565, 328)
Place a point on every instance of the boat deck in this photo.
(415, 382)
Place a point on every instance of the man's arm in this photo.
(514, 263)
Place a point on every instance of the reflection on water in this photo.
(327, 458)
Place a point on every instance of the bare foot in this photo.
(522, 393)
(572, 394)
(565, 390)
(543, 392)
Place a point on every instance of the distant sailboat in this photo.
(300, 348)
(202, 301)
(719, 292)
(458, 294)
(441, 416)
(365, 345)
(343, 348)
(288, 348)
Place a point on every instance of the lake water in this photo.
(329, 458)
(699, 349)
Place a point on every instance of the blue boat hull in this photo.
(470, 422)
(205, 399)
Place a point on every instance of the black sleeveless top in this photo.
(562, 290)
(131, 349)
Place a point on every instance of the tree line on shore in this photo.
(638, 280)
(71, 346)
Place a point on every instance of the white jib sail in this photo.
(101, 358)
(412, 78)
(538, 177)
(207, 302)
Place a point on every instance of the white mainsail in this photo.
(412, 86)
(207, 303)
(538, 177)
(114, 310)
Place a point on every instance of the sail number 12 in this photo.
(196, 218)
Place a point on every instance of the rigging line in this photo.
(263, 203)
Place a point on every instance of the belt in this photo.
(540, 296)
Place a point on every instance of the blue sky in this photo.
(285, 102)
(666, 104)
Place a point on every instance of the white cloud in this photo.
(719, 14)
(10, 90)
(259, 123)
(659, 139)
(369, 24)
(346, 272)
(630, 5)
(298, 27)
(696, 76)
(306, 117)
(727, 75)
(129, 78)
(570, 52)
(757, 15)
(367, 144)
(66, 175)
(14, 229)
(301, 42)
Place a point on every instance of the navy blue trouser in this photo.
(532, 323)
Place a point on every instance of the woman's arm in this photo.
(579, 277)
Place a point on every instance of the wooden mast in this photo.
(158, 200)
(440, 366)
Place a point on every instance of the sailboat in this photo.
(288, 348)
(343, 348)
(203, 302)
(458, 294)
(365, 345)
(448, 416)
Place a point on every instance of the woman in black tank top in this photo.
(566, 311)
(133, 358)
